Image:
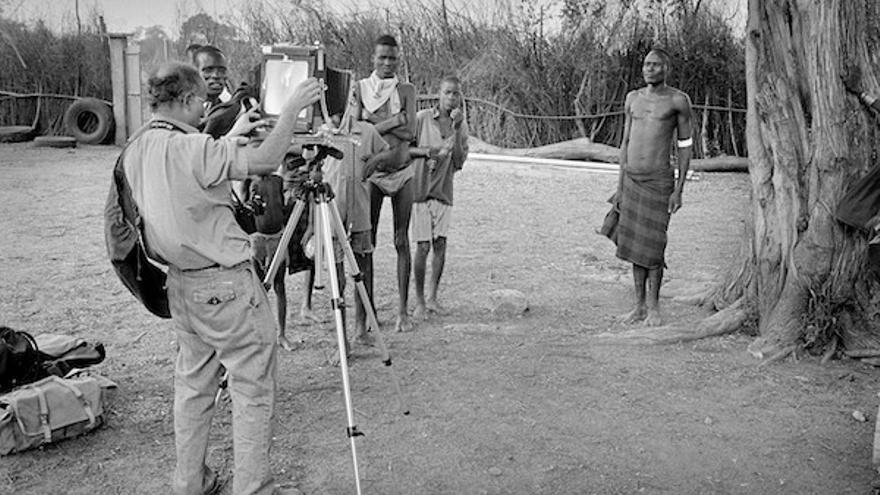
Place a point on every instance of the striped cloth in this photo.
(644, 217)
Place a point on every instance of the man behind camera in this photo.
(180, 182)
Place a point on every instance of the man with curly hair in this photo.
(180, 184)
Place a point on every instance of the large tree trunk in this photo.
(807, 141)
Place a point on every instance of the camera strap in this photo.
(164, 124)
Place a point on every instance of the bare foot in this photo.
(653, 318)
(420, 313)
(403, 324)
(365, 339)
(287, 344)
(308, 316)
(638, 314)
(435, 307)
(335, 360)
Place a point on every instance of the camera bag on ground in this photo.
(20, 359)
(25, 359)
(63, 353)
(52, 409)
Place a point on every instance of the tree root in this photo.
(695, 299)
(723, 322)
(696, 294)
(830, 352)
(779, 356)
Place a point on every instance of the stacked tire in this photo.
(89, 121)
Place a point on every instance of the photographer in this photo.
(180, 182)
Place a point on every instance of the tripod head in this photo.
(314, 155)
(321, 152)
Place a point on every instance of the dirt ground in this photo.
(519, 405)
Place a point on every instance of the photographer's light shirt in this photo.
(180, 183)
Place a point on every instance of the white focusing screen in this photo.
(282, 77)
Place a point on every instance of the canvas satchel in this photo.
(52, 409)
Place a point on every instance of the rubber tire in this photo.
(89, 120)
(55, 142)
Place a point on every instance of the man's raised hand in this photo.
(305, 93)
(457, 117)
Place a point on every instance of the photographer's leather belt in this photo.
(217, 266)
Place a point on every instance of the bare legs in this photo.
(438, 261)
(281, 308)
(365, 265)
(306, 313)
(647, 298)
(401, 204)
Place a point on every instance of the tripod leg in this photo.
(337, 303)
(318, 242)
(282, 244)
(350, 259)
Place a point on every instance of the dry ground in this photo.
(528, 405)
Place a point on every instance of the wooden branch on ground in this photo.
(723, 322)
(583, 149)
(721, 164)
(575, 149)
(862, 353)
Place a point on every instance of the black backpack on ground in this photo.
(20, 360)
(81, 356)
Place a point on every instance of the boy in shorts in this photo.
(443, 131)
(266, 193)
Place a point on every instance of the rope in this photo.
(10, 94)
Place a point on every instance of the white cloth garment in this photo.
(375, 92)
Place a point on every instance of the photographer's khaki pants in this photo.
(222, 318)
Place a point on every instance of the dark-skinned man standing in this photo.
(390, 105)
(648, 192)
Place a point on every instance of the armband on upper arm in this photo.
(685, 143)
(867, 99)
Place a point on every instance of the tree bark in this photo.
(807, 139)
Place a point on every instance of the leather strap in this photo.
(44, 415)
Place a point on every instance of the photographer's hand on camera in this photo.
(246, 123)
(265, 159)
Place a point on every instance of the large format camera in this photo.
(284, 66)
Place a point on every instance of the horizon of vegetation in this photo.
(518, 67)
